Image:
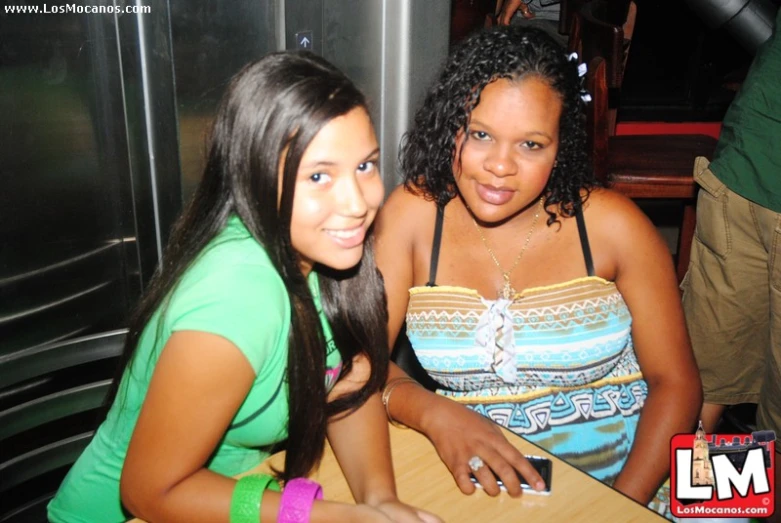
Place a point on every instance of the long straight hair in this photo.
(270, 113)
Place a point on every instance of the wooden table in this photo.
(424, 481)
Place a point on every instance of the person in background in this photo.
(534, 298)
(732, 290)
(542, 14)
(265, 323)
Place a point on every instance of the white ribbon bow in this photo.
(495, 335)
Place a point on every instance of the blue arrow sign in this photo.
(304, 40)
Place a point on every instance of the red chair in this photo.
(650, 166)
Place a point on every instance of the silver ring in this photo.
(475, 463)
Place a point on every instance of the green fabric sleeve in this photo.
(245, 304)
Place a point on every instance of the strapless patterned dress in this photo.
(555, 365)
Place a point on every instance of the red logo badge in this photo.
(722, 475)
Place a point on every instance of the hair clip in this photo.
(582, 70)
(584, 94)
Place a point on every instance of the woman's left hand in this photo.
(403, 513)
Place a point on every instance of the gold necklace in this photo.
(508, 292)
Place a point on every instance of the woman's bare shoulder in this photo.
(407, 211)
(409, 199)
(619, 226)
(608, 209)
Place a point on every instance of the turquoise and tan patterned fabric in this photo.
(555, 365)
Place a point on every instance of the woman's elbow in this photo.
(683, 392)
(136, 495)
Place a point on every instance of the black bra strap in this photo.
(432, 270)
(584, 239)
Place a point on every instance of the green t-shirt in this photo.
(748, 156)
(231, 290)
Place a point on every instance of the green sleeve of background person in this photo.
(748, 156)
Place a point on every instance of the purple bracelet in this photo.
(298, 497)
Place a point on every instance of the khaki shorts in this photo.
(732, 299)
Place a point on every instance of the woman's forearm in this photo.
(206, 496)
(361, 444)
(410, 402)
(360, 440)
(670, 408)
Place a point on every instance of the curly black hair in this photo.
(510, 52)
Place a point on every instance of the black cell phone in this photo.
(544, 468)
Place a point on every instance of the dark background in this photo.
(678, 70)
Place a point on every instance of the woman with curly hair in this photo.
(532, 295)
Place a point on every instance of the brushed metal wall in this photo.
(393, 50)
(212, 41)
(102, 131)
(68, 250)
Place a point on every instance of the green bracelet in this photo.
(247, 496)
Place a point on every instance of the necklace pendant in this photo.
(507, 292)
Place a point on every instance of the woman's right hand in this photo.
(459, 434)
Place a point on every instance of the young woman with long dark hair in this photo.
(265, 322)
